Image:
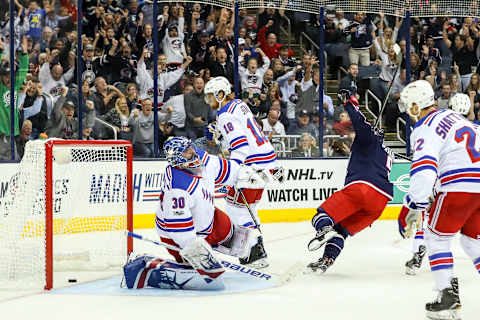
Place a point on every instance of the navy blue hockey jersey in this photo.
(370, 161)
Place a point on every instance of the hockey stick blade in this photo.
(280, 279)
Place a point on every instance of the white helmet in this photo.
(215, 85)
(460, 103)
(419, 92)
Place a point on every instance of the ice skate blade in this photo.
(444, 315)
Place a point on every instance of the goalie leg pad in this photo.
(147, 271)
(238, 243)
(200, 255)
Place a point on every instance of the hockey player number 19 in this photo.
(471, 136)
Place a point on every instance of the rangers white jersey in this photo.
(174, 48)
(165, 80)
(245, 139)
(447, 146)
(186, 208)
(252, 81)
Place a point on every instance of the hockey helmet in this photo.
(419, 93)
(175, 148)
(460, 103)
(217, 85)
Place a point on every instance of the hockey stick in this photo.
(283, 278)
(386, 99)
(244, 199)
(401, 156)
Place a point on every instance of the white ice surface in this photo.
(366, 282)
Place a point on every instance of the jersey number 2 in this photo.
(471, 136)
(257, 132)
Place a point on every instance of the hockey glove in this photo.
(408, 220)
(251, 177)
(347, 97)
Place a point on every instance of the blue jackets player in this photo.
(366, 192)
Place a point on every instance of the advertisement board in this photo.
(307, 184)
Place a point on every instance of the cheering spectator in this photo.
(34, 107)
(24, 136)
(172, 42)
(177, 103)
(268, 42)
(5, 115)
(462, 52)
(219, 65)
(350, 81)
(52, 77)
(344, 126)
(309, 98)
(105, 95)
(143, 130)
(271, 125)
(361, 39)
(62, 123)
(165, 79)
(132, 96)
(196, 109)
(252, 76)
(444, 99)
(118, 117)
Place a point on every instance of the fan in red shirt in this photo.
(268, 43)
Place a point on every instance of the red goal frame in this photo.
(49, 195)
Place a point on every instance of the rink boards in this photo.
(308, 183)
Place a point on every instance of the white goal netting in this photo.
(417, 8)
(89, 212)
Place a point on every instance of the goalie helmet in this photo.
(420, 93)
(460, 103)
(217, 85)
(175, 148)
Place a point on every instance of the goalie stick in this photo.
(281, 279)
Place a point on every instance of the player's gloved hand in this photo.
(251, 177)
(408, 220)
(347, 97)
(210, 131)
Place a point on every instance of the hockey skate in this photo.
(321, 238)
(257, 258)
(447, 304)
(416, 261)
(322, 264)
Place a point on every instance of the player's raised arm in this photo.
(363, 130)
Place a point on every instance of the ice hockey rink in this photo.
(366, 282)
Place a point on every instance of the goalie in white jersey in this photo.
(237, 127)
(188, 222)
(446, 146)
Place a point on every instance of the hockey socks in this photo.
(334, 247)
(322, 220)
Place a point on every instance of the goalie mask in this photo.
(416, 96)
(460, 103)
(181, 153)
(214, 87)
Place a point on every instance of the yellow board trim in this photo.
(146, 221)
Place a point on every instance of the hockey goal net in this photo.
(66, 208)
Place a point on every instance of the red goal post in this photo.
(60, 212)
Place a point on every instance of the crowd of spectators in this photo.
(196, 43)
